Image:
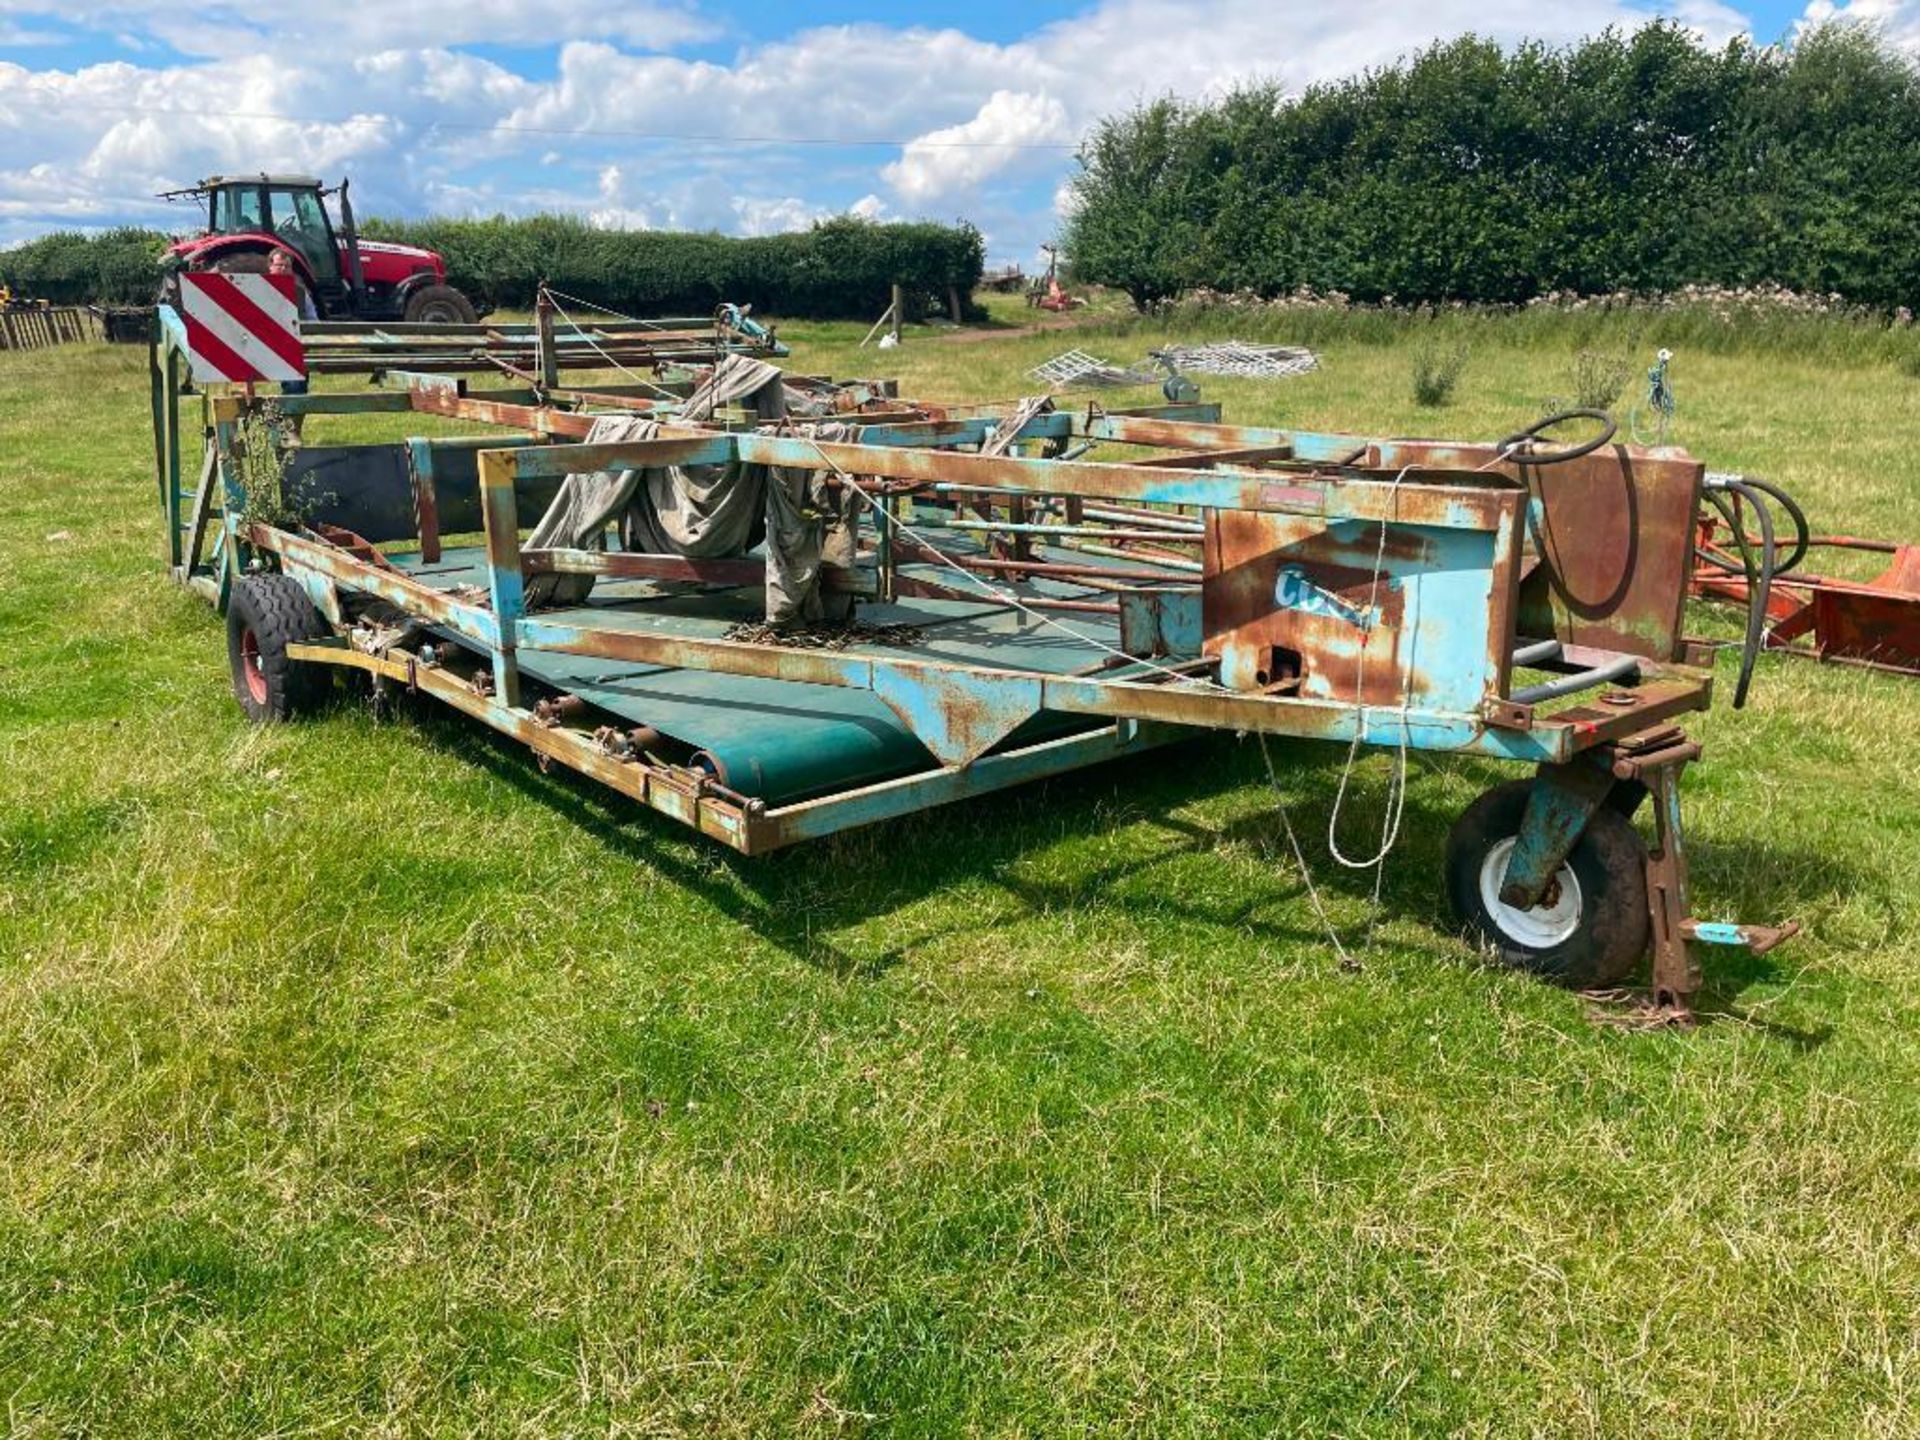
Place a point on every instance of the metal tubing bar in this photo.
(1170, 703)
(426, 502)
(1468, 507)
(1581, 680)
(731, 571)
(1057, 569)
(914, 585)
(1177, 524)
(1063, 532)
(1171, 562)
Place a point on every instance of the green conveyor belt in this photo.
(780, 740)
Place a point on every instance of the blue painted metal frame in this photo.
(962, 712)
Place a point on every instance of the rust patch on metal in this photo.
(1614, 534)
(1339, 610)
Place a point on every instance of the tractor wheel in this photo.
(266, 614)
(1592, 926)
(439, 305)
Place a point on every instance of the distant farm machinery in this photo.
(1748, 558)
(657, 584)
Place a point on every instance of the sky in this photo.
(744, 116)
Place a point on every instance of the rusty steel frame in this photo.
(1502, 727)
(1422, 508)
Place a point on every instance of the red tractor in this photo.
(250, 217)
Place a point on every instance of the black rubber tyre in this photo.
(265, 614)
(1591, 929)
(439, 305)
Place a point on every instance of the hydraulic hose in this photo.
(1802, 534)
(1759, 570)
(1518, 447)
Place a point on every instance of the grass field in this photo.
(358, 1078)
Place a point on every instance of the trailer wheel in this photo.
(266, 614)
(440, 305)
(1592, 926)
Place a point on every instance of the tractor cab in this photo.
(287, 208)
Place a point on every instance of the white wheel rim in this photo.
(1545, 925)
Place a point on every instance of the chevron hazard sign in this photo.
(242, 327)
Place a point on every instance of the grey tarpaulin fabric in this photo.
(587, 503)
(705, 511)
(808, 530)
(708, 511)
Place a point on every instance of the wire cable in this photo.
(591, 345)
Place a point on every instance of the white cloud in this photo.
(959, 157)
(14, 34)
(384, 93)
(708, 202)
(1898, 20)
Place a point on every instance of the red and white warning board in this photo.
(242, 327)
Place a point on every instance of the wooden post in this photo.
(543, 324)
(953, 302)
(899, 308)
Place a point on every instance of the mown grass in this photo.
(361, 1079)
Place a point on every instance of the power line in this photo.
(501, 128)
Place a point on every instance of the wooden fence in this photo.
(35, 327)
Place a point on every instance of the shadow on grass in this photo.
(790, 897)
(779, 896)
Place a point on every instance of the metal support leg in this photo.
(1563, 800)
(504, 582)
(1676, 974)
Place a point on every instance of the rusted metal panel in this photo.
(1385, 615)
(1161, 622)
(1871, 626)
(1613, 531)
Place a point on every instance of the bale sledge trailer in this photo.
(774, 607)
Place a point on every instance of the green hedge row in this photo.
(840, 268)
(114, 267)
(1645, 162)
